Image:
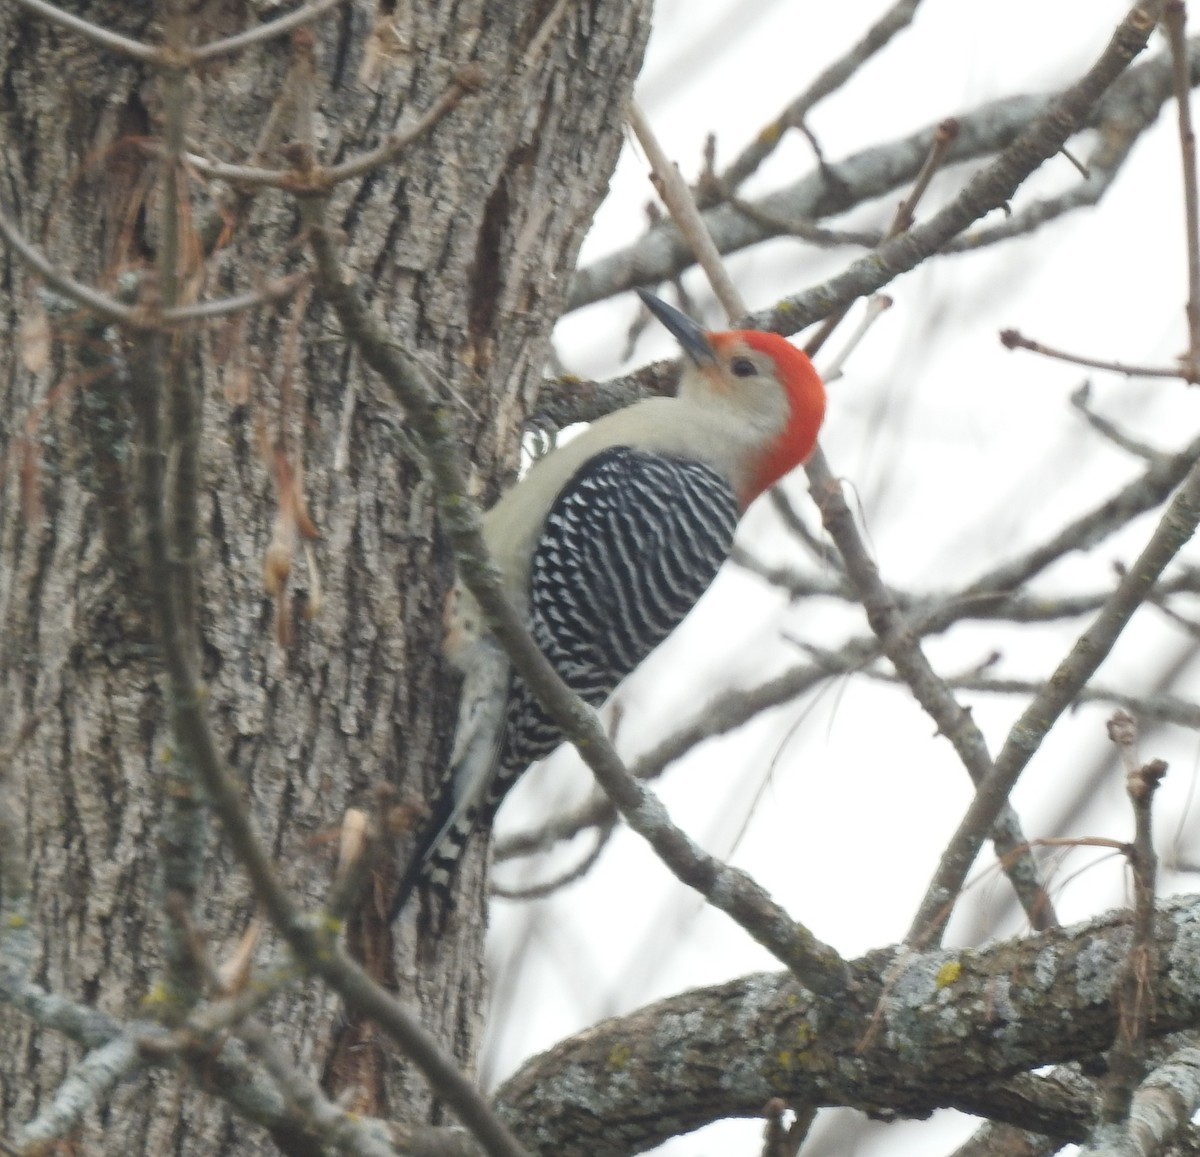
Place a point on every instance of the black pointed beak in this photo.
(690, 336)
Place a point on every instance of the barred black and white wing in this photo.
(629, 546)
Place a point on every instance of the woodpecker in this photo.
(605, 546)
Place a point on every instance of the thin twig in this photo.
(99, 303)
(1012, 607)
(939, 147)
(269, 294)
(877, 305)
(822, 550)
(1135, 998)
(1160, 708)
(1106, 429)
(178, 55)
(1014, 340)
(804, 228)
(314, 178)
(1174, 20)
(305, 14)
(990, 188)
(470, 78)
(679, 201)
(242, 176)
(109, 309)
(114, 42)
(947, 133)
(604, 833)
(876, 38)
(348, 1133)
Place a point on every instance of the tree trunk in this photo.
(465, 246)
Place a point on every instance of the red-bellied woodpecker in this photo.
(606, 545)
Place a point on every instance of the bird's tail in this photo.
(456, 809)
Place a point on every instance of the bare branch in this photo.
(1176, 527)
(1174, 20)
(1013, 340)
(1107, 429)
(87, 1086)
(171, 562)
(877, 305)
(247, 176)
(348, 1133)
(678, 199)
(803, 228)
(273, 291)
(1135, 995)
(1028, 129)
(897, 640)
(943, 140)
(305, 14)
(991, 188)
(315, 178)
(991, 593)
(876, 38)
(227, 1071)
(899, 643)
(470, 78)
(604, 833)
(1160, 708)
(902, 221)
(97, 34)
(99, 303)
(178, 55)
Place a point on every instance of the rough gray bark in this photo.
(467, 244)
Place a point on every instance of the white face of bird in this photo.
(741, 380)
(765, 400)
(723, 372)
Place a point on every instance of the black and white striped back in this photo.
(629, 546)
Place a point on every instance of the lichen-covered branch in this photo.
(939, 1031)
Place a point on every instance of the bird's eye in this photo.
(743, 367)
